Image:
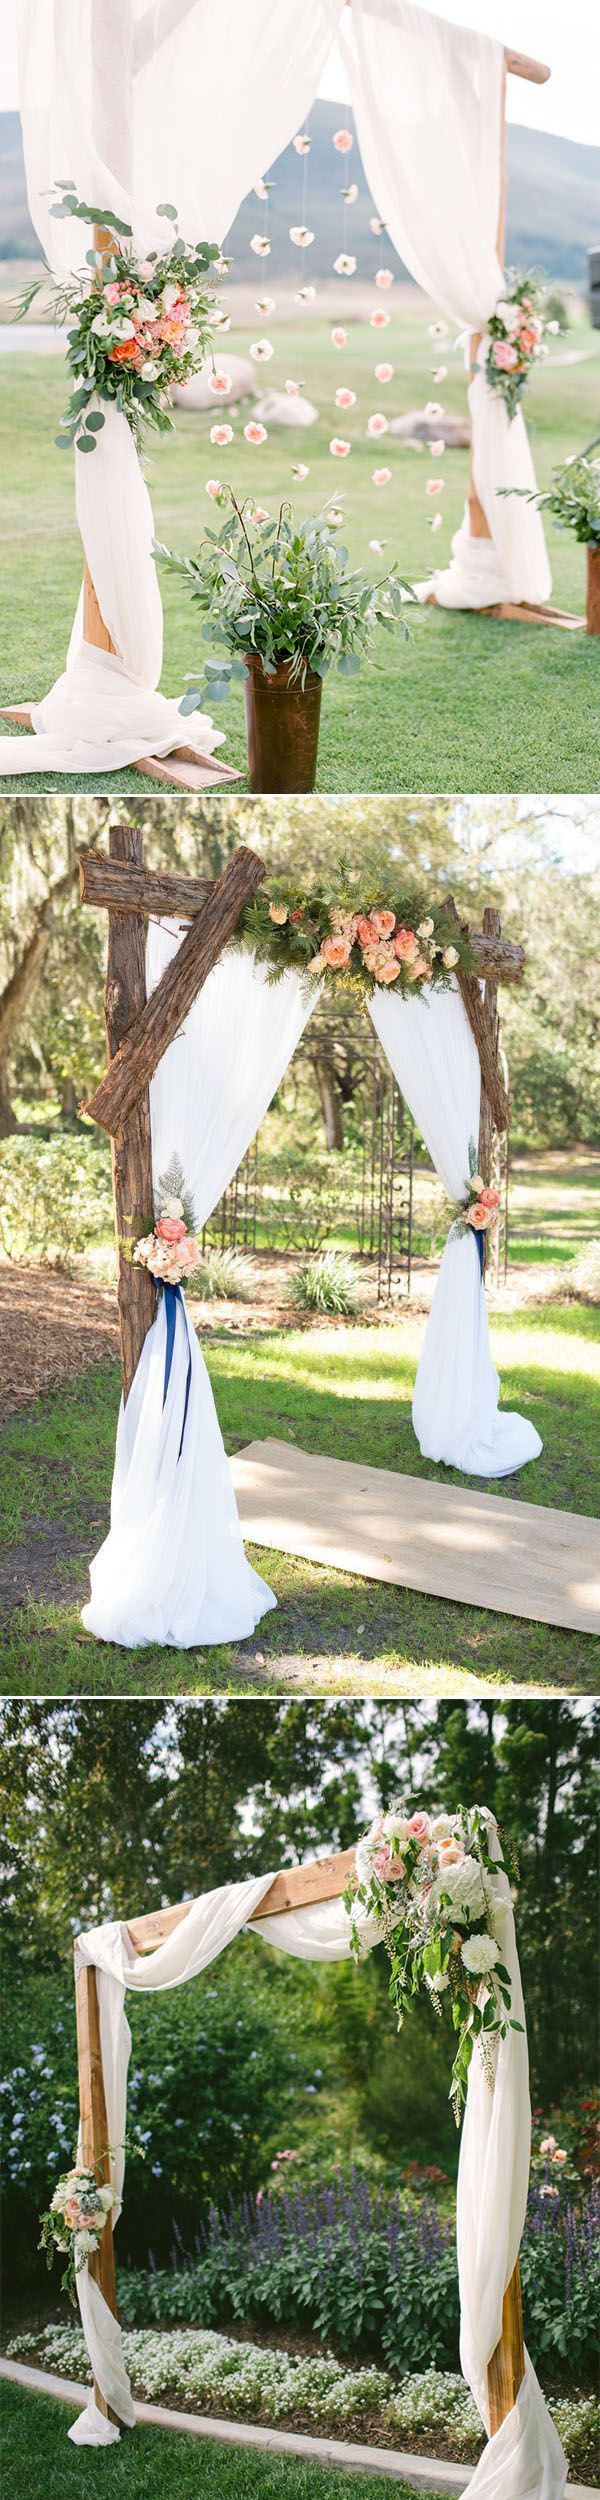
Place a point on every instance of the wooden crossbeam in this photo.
(160, 1019)
(323, 1879)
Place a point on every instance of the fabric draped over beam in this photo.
(172, 1569)
(189, 101)
(524, 2460)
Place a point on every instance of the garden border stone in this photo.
(425, 2473)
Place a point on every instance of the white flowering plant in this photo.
(134, 326)
(428, 1887)
(75, 2219)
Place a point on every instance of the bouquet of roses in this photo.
(75, 2220)
(170, 1251)
(404, 943)
(516, 339)
(428, 1886)
(134, 327)
(480, 1207)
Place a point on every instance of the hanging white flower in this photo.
(305, 295)
(384, 278)
(343, 141)
(376, 225)
(255, 433)
(351, 195)
(260, 244)
(345, 265)
(301, 235)
(479, 1953)
(219, 384)
(302, 143)
(377, 424)
(260, 351)
(437, 329)
(265, 304)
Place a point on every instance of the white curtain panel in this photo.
(428, 101)
(524, 2461)
(172, 1569)
(430, 1046)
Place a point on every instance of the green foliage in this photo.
(160, 2461)
(222, 1275)
(288, 928)
(326, 1282)
(55, 1195)
(284, 591)
(574, 499)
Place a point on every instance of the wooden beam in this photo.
(94, 2132)
(507, 2366)
(133, 1195)
(492, 928)
(164, 1013)
(468, 984)
(323, 1879)
(103, 882)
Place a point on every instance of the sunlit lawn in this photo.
(150, 2462)
(469, 704)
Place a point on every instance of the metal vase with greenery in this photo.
(282, 606)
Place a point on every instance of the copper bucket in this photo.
(592, 616)
(282, 726)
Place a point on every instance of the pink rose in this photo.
(383, 373)
(379, 319)
(406, 945)
(489, 1197)
(345, 398)
(171, 1228)
(339, 338)
(420, 1827)
(339, 448)
(389, 970)
(221, 434)
(381, 1863)
(382, 477)
(504, 356)
(255, 433)
(558, 2155)
(477, 1216)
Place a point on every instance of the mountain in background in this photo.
(553, 206)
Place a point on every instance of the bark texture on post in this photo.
(135, 888)
(124, 999)
(160, 1019)
(492, 928)
(468, 984)
(94, 2134)
(507, 2365)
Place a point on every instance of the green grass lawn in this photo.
(468, 704)
(150, 2463)
(342, 1391)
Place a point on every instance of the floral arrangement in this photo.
(75, 2220)
(516, 333)
(429, 1887)
(573, 499)
(329, 936)
(480, 1207)
(170, 1251)
(281, 590)
(134, 327)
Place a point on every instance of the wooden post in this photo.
(124, 998)
(507, 2365)
(161, 1017)
(492, 926)
(478, 526)
(94, 2133)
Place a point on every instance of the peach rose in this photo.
(406, 945)
(383, 922)
(450, 1854)
(388, 971)
(381, 477)
(336, 952)
(477, 1216)
(279, 913)
(171, 1228)
(490, 1197)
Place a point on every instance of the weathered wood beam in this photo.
(164, 1013)
(323, 1879)
(94, 2132)
(103, 882)
(133, 1196)
(492, 927)
(468, 984)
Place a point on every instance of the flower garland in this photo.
(134, 327)
(74, 2222)
(170, 1250)
(429, 1886)
(516, 334)
(479, 1208)
(328, 937)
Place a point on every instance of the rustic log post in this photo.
(94, 2132)
(491, 928)
(473, 1004)
(103, 883)
(507, 2365)
(157, 1022)
(124, 998)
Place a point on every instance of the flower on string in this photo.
(351, 195)
(302, 236)
(377, 546)
(265, 304)
(302, 143)
(292, 388)
(383, 373)
(379, 319)
(260, 351)
(345, 265)
(381, 477)
(345, 398)
(377, 225)
(339, 448)
(437, 449)
(441, 374)
(377, 424)
(262, 190)
(305, 295)
(339, 338)
(219, 384)
(343, 141)
(433, 410)
(300, 470)
(255, 433)
(221, 434)
(437, 330)
(437, 522)
(435, 486)
(384, 278)
(260, 244)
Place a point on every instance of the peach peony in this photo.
(383, 922)
(406, 945)
(336, 952)
(388, 971)
(477, 1216)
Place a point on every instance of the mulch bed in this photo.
(52, 1328)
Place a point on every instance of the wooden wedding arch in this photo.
(322, 1879)
(139, 1029)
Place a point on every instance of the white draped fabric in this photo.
(524, 2461)
(430, 1046)
(428, 101)
(189, 101)
(172, 1569)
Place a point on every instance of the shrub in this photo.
(55, 1195)
(223, 1276)
(326, 1283)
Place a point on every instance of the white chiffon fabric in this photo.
(430, 1046)
(172, 1569)
(524, 2461)
(428, 101)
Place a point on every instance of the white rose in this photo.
(149, 370)
(172, 1206)
(146, 310)
(170, 295)
(479, 1953)
(101, 325)
(450, 957)
(442, 1826)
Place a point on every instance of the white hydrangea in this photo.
(479, 1953)
(395, 1826)
(466, 1889)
